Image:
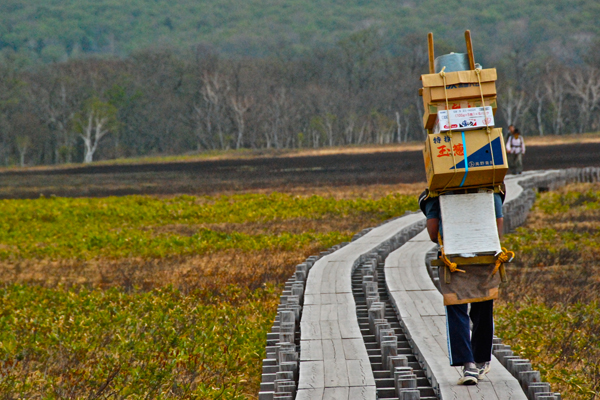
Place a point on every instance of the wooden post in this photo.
(404, 383)
(389, 347)
(371, 300)
(470, 49)
(397, 362)
(430, 49)
(538, 387)
(383, 333)
(528, 378)
(382, 325)
(410, 394)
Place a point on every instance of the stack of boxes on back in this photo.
(469, 158)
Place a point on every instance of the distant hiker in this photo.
(515, 148)
(477, 287)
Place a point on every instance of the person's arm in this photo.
(433, 227)
(499, 224)
(508, 145)
(522, 146)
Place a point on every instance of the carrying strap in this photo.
(442, 73)
(487, 127)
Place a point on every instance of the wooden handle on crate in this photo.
(470, 49)
(430, 48)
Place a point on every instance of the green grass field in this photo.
(195, 332)
(171, 297)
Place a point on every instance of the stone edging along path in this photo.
(333, 337)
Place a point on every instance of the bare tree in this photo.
(540, 96)
(56, 105)
(349, 128)
(214, 92)
(555, 92)
(278, 118)
(23, 142)
(95, 122)
(515, 105)
(240, 105)
(584, 85)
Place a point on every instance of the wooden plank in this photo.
(328, 298)
(423, 303)
(315, 276)
(310, 330)
(363, 393)
(417, 263)
(409, 279)
(350, 330)
(311, 313)
(328, 278)
(343, 277)
(360, 373)
(311, 299)
(329, 312)
(310, 394)
(404, 304)
(330, 330)
(347, 312)
(312, 375)
(336, 373)
(354, 349)
(506, 387)
(333, 349)
(311, 350)
(336, 393)
(394, 279)
(437, 326)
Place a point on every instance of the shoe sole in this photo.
(467, 381)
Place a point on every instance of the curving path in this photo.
(332, 336)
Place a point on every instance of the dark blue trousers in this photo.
(464, 346)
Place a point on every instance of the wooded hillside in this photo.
(125, 84)
(55, 30)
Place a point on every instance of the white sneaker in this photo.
(470, 374)
(483, 368)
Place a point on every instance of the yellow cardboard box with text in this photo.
(465, 159)
(460, 85)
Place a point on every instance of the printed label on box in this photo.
(464, 119)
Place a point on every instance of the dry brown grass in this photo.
(208, 271)
(559, 268)
(211, 272)
(550, 307)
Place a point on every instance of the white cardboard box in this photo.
(469, 224)
(464, 119)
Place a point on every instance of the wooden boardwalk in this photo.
(421, 310)
(334, 361)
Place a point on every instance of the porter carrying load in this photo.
(465, 164)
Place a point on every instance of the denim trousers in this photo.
(466, 346)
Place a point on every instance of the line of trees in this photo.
(164, 102)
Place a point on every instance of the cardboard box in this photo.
(460, 85)
(464, 119)
(432, 109)
(445, 172)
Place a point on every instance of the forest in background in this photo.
(83, 81)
